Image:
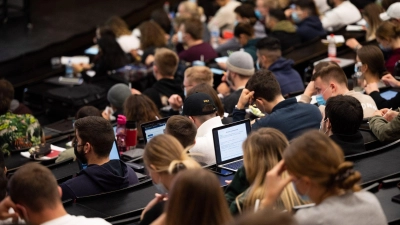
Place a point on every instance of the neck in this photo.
(167, 180)
(275, 102)
(338, 3)
(341, 90)
(192, 43)
(47, 215)
(159, 77)
(98, 161)
(240, 83)
(370, 78)
(396, 43)
(319, 194)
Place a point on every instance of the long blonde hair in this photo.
(167, 155)
(262, 150)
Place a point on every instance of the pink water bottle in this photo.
(121, 133)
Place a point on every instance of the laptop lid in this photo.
(228, 141)
(153, 128)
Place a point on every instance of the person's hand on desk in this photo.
(389, 80)
(157, 198)
(245, 98)
(389, 114)
(353, 44)
(371, 87)
(175, 101)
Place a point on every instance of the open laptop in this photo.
(228, 142)
(153, 128)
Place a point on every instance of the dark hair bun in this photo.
(346, 178)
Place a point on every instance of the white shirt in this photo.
(128, 43)
(344, 14)
(76, 220)
(204, 148)
(322, 6)
(225, 16)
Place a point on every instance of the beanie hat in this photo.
(241, 62)
(117, 94)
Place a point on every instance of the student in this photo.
(201, 110)
(245, 34)
(190, 9)
(240, 67)
(34, 194)
(329, 182)
(202, 202)
(329, 81)
(305, 15)
(382, 103)
(15, 106)
(343, 13)
(270, 57)
(94, 138)
(282, 29)
(116, 96)
(190, 34)
(17, 132)
(164, 68)
(164, 157)
(391, 7)
(388, 37)
(141, 109)
(125, 39)
(245, 14)
(224, 18)
(371, 64)
(385, 124)
(287, 115)
(207, 89)
(183, 129)
(343, 117)
(152, 37)
(265, 217)
(262, 150)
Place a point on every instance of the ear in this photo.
(328, 124)
(59, 190)
(153, 167)
(306, 180)
(88, 147)
(5, 170)
(22, 212)
(155, 69)
(192, 119)
(333, 87)
(365, 66)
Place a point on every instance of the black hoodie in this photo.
(162, 90)
(96, 179)
(310, 28)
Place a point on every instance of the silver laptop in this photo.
(228, 142)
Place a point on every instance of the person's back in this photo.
(343, 14)
(305, 15)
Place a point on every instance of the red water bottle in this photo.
(131, 135)
(121, 133)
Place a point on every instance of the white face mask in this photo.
(180, 36)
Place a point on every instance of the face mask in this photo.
(320, 100)
(235, 23)
(295, 17)
(180, 36)
(160, 187)
(303, 197)
(258, 14)
(258, 65)
(80, 155)
(385, 49)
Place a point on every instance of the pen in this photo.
(257, 205)
(387, 112)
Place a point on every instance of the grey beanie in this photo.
(240, 62)
(117, 95)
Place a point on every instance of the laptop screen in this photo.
(153, 129)
(114, 154)
(228, 140)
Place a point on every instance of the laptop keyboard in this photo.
(234, 165)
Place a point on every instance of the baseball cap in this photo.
(240, 62)
(198, 104)
(392, 12)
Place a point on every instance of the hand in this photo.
(389, 115)
(288, 13)
(135, 92)
(106, 114)
(389, 80)
(222, 65)
(371, 87)
(5, 206)
(310, 89)
(223, 89)
(149, 60)
(274, 184)
(352, 43)
(157, 198)
(378, 113)
(245, 98)
(228, 182)
(175, 101)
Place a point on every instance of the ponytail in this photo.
(346, 177)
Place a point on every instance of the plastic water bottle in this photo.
(69, 70)
(166, 7)
(331, 46)
(214, 36)
(121, 134)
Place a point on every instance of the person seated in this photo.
(190, 35)
(152, 36)
(282, 29)
(330, 182)
(17, 132)
(94, 138)
(141, 109)
(129, 43)
(382, 103)
(371, 65)
(343, 117)
(190, 9)
(11, 217)
(240, 67)
(259, 218)
(287, 115)
(34, 195)
(305, 15)
(164, 68)
(161, 17)
(82, 112)
(207, 89)
(270, 57)
(15, 106)
(116, 96)
(262, 150)
(385, 124)
(201, 110)
(388, 37)
(343, 13)
(224, 18)
(183, 129)
(164, 158)
(206, 206)
(330, 80)
(245, 14)
(245, 34)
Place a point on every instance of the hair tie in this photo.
(344, 175)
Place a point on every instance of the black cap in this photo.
(198, 104)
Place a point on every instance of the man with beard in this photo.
(94, 138)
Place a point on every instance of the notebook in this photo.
(228, 142)
(153, 128)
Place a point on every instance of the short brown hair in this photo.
(183, 129)
(388, 30)
(194, 28)
(6, 95)
(98, 132)
(243, 28)
(264, 85)
(166, 61)
(199, 75)
(331, 71)
(151, 35)
(34, 187)
(87, 111)
(372, 56)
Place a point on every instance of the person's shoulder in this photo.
(78, 220)
(307, 216)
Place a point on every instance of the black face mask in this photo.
(80, 155)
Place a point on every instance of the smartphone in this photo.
(396, 198)
(222, 171)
